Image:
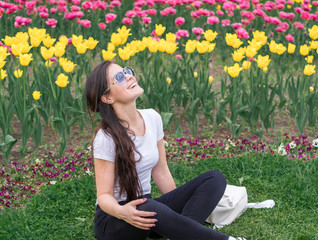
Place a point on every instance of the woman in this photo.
(128, 149)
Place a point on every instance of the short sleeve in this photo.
(160, 133)
(104, 146)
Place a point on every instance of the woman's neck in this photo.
(128, 113)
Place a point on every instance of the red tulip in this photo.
(102, 26)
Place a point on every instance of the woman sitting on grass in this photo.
(128, 149)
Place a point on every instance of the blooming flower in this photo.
(3, 74)
(309, 69)
(234, 71)
(168, 80)
(62, 80)
(18, 73)
(160, 29)
(36, 95)
(315, 142)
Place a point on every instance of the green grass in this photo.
(66, 210)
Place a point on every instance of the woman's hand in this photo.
(139, 219)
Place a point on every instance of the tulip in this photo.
(16, 49)
(25, 59)
(115, 39)
(235, 70)
(209, 35)
(3, 74)
(179, 21)
(160, 29)
(18, 73)
(263, 61)
(91, 43)
(68, 66)
(110, 17)
(64, 40)
(125, 53)
(195, 74)
(102, 26)
(210, 79)
(81, 48)
(251, 51)
(304, 50)
(171, 37)
(237, 56)
(202, 47)
(51, 22)
(197, 31)
(313, 32)
(213, 20)
(48, 41)
(311, 89)
(59, 49)
(290, 38)
(171, 47)
(3, 53)
(162, 45)
(153, 46)
(2, 63)
(36, 95)
(246, 65)
(62, 80)
(309, 69)
(314, 44)
(8, 41)
(123, 33)
(127, 21)
(47, 53)
(190, 46)
(77, 39)
(108, 55)
(168, 80)
(291, 48)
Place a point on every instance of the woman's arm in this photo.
(104, 177)
(161, 173)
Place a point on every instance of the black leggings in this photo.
(180, 213)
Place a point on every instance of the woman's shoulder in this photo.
(149, 112)
(102, 136)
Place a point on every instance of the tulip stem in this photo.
(48, 72)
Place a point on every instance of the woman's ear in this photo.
(107, 99)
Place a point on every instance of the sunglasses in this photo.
(120, 77)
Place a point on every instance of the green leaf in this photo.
(166, 118)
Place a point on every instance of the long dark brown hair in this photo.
(125, 162)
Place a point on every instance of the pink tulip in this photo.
(306, 1)
(146, 20)
(211, 2)
(87, 5)
(152, 12)
(244, 5)
(164, 13)
(283, 15)
(213, 20)
(298, 25)
(259, 12)
(284, 25)
(245, 22)
(178, 56)
(203, 12)
(130, 14)
(142, 13)
(290, 2)
(171, 3)
(220, 12)
(182, 33)
(86, 23)
(150, 3)
(79, 14)
(242, 33)
(51, 22)
(280, 30)
(179, 2)
(298, 10)
(194, 15)
(44, 15)
(197, 31)
(115, 3)
(188, 7)
(236, 25)
(225, 22)
(291, 16)
(110, 17)
(315, 3)
(313, 17)
(76, 2)
(197, 4)
(254, 2)
(102, 26)
(75, 8)
(43, 9)
(179, 21)
(275, 21)
(247, 14)
(30, 5)
(269, 6)
(53, 10)
(62, 3)
(140, 3)
(304, 15)
(280, 6)
(62, 8)
(53, 59)
(290, 38)
(127, 21)
(229, 6)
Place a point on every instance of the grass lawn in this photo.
(66, 210)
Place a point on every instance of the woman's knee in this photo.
(217, 177)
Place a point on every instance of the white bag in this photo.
(231, 206)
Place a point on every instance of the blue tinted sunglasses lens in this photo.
(120, 77)
(129, 71)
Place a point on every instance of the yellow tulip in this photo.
(153, 46)
(110, 47)
(309, 59)
(160, 29)
(115, 39)
(209, 35)
(3, 74)
(250, 51)
(25, 59)
(237, 56)
(64, 40)
(313, 32)
(210, 79)
(68, 66)
(171, 37)
(263, 61)
(311, 89)
(246, 65)
(81, 48)
(304, 50)
(195, 74)
(255, 44)
(123, 33)
(48, 63)
(291, 48)
(91, 43)
(211, 47)
(260, 37)
(202, 47)
(309, 69)
(22, 37)
(47, 53)
(36, 95)
(37, 32)
(48, 41)
(237, 43)
(230, 39)
(280, 49)
(171, 47)
(77, 39)
(225, 69)
(162, 45)
(16, 49)
(8, 41)
(235, 70)
(62, 80)
(190, 46)
(2, 63)
(108, 55)
(273, 46)
(3, 53)
(265, 69)
(18, 73)
(59, 49)
(168, 80)
(314, 44)
(124, 53)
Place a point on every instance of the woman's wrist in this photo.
(118, 211)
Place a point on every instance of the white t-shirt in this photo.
(104, 148)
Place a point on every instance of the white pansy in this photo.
(166, 143)
(88, 172)
(315, 142)
(292, 145)
(37, 160)
(231, 142)
(227, 146)
(53, 182)
(281, 150)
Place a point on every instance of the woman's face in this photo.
(123, 92)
